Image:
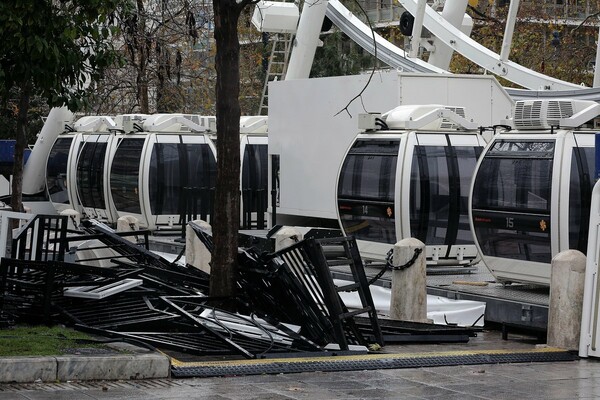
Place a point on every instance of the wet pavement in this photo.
(557, 380)
(565, 380)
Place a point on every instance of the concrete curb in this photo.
(71, 368)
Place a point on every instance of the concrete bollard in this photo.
(287, 236)
(566, 299)
(196, 253)
(74, 218)
(128, 223)
(409, 293)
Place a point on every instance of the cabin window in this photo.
(366, 190)
(125, 174)
(255, 172)
(580, 196)
(175, 167)
(90, 174)
(467, 158)
(56, 170)
(511, 200)
(439, 190)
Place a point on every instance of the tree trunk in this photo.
(227, 197)
(16, 200)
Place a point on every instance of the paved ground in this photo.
(567, 380)
(561, 380)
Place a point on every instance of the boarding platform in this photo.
(513, 306)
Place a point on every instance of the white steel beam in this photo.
(597, 65)
(509, 29)
(482, 56)
(415, 41)
(307, 39)
(454, 13)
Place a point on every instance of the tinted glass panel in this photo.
(580, 196)
(366, 190)
(56, 170)
(254, 177)
(519, 182)
(511, 201)
(429, 194)
(467, 160)
(90, 174)
(513, 236)
(201, 166)
(175, 167)
(439, 193)
(124, 175)
(164, 181)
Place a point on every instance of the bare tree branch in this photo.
(359, 95)
(483, 16)
(586, 19)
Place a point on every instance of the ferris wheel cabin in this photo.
(532, 189)
(76, 166)
(155, 168)
(408, 175)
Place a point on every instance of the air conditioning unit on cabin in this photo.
(431, 115)
(126, 122)
(95, 123)
(179, 123)
(546, 114)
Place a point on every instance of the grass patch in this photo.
(43, 341)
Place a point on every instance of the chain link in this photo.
(390, 266)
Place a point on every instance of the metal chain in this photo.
(408, 264)
(389, 265)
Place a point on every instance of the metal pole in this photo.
(454, 13)
(597, 66)
(307, 39)
(509, 29)
(417, 28)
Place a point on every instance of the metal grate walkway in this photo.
(365, 362)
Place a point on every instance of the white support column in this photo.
(597, 66)
(417, 28)
(509, 29)
(454, 14)
(307, 39)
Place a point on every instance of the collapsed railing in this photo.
(287, 300)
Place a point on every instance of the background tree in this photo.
(168, 54)
(340, 56)
(546, 39)
(53, 49)
(227, 197)
(252, 69)
(169, 49)
(38, 110)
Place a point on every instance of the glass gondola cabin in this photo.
(169, 168)
(532, 188)
(153, 168)
(411, 178)
(76, 165)
(158, 166)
